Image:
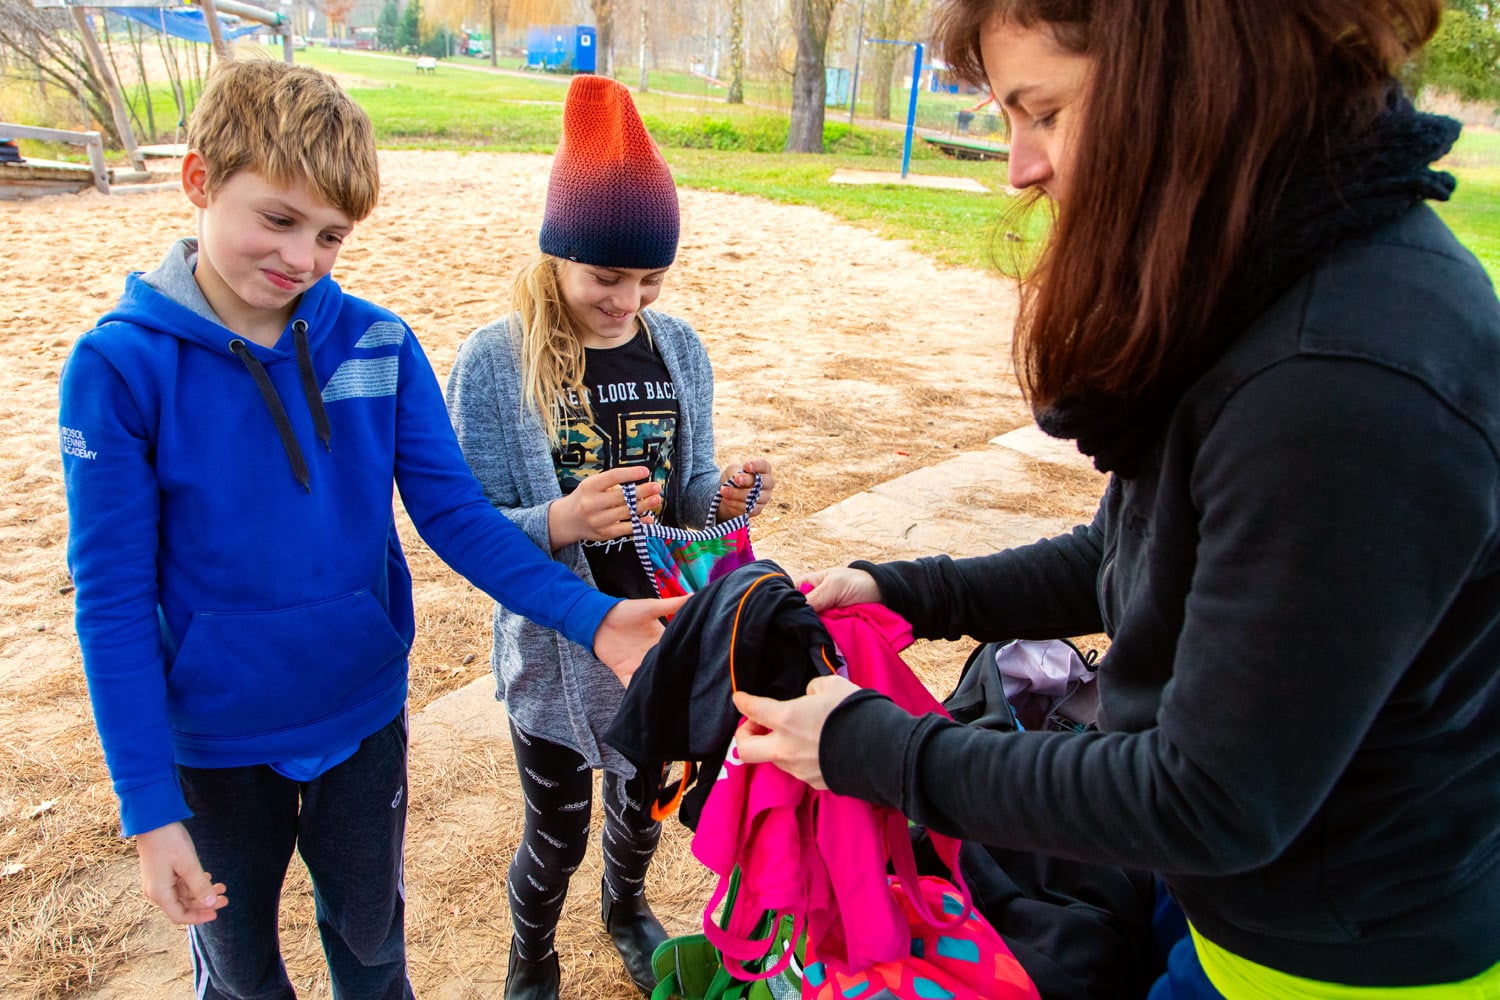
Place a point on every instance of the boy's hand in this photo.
(742, 476)
(173, 878)
(629, 631)
(596, 510)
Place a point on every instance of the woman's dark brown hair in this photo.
(1195, 114)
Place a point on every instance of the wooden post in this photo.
(211, 18)
(111, 89)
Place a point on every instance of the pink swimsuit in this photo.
(813, 853)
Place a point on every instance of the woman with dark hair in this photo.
(1246, 313)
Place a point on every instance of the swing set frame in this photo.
(279, 24)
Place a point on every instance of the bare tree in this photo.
(810, 20)
(736, 52)
(339, 12)
(43, 41)
(499, 12)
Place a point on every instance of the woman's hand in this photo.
(629, 631)
(786, 733)
(596, 511)
(840, 587)
(738, 480)
(174, 879)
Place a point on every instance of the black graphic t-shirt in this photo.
(635, 422)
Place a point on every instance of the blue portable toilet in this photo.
(561, 48)
(836, 86)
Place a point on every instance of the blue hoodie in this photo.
(242, 596)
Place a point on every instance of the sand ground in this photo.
(846, 358)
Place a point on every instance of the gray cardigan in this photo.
(552, 687)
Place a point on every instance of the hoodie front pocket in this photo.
(243, 673)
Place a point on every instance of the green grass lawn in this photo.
(710, 145)
(1474, 211)
(736, 148)
(955, 227)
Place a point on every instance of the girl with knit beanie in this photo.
(580, 389)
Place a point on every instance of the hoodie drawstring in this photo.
(273, 401)
(310, 384)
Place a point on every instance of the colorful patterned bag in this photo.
(682, 561)
(963, 960)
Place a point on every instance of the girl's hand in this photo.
(786, 733)
(840, 587)
(596, 510)
(173, 878)
(733, 498)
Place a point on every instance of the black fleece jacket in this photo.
(1300, 706)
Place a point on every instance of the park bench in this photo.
(426, 64)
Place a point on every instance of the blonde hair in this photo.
(288, 124)
(552, 357)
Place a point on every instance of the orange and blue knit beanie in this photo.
(610, 200)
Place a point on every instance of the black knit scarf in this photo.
(1350, 186)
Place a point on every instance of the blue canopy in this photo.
(187, 24)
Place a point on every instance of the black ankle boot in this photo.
(531, 980)
(636, 933)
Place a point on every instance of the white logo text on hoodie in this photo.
(73, 443)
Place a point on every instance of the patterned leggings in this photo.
(558, 787)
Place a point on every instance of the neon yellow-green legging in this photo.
(1240, 979)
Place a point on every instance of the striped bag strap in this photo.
(750, 501)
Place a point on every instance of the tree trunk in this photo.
(736, 52)
(645, 27)
(883, 68)
(810, 20)
(494, 33)
(604, 26)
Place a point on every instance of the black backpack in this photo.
(978, 699)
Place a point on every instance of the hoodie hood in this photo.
(228, 615)
(169, 301)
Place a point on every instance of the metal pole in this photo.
(911, 110)
(859, 46)
(249, 12)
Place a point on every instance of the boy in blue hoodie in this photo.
(230, 435)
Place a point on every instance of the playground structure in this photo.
(911, 107)
(202, 24)
(966, 146)
(31, 177)
(963, 148)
